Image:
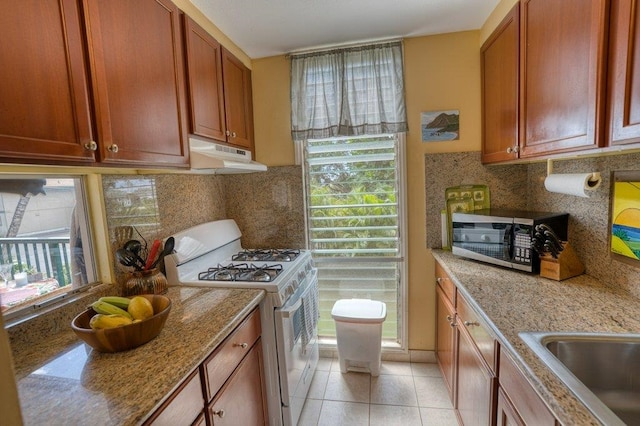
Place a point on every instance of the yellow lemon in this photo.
(140, 308)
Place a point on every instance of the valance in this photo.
(348, 92)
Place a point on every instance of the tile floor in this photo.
(404, 394)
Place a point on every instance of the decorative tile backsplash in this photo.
(522, 186)
(267, 206)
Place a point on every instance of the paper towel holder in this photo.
(591, 181)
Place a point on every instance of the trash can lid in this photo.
(359, 310)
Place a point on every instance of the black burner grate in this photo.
(241, 272)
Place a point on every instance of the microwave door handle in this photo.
(508, 242)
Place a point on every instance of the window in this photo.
(355, 205)
(45, 247)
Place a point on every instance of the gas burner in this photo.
(241, 272)
(273, 255)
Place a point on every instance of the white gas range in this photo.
(211, 255)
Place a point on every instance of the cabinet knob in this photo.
(219, 413)
(113, 148)
(471, 323)
(233, 134)
(228, 133)
(439, 280)
(449, 318)
(91, 146)
(242, 345)
(509, 150)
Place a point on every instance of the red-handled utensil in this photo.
(152, 254)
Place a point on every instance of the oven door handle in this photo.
(288, 313)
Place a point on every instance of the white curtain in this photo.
(348, 92)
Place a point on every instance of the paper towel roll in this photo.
(578, 184)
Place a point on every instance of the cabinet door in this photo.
(44, 97)
(237, 101)
(184, 406)
(241, 400)
(624, 73)
(135, 49)
(445, 340)
(476, 386)
(562, 69)
(499, 66)
(204, 78)
(507, 414)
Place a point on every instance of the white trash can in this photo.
(359, 334)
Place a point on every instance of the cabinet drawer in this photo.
(184, 406)
(219, 366)
(485, 343)
(446, 284)
(519, 392)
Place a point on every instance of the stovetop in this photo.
(210, 255)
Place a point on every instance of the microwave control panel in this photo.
(522, 243)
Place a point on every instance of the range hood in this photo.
(210, 157)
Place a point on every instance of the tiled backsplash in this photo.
(268, 206)
(522, 186)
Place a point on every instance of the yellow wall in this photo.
(495, 17)
(441, 72)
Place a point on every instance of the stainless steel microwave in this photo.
(503, 237)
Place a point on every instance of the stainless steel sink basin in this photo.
(602, 370)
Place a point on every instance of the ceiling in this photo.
(264, 28)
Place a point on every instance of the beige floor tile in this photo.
(432, 392)
(310, 412)
(353, 387)
(393, 415)
(318, 385)
(324, 364)
(337, 413)
(395, 368)
(425, 369)
(393, 390)
(438, 417)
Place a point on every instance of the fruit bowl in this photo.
(125, 337)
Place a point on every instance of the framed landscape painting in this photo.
(625, 216)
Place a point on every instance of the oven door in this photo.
(297, 343)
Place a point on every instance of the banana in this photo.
(108, 309)
(100, 321)
(120, 302)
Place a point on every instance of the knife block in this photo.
(567, 264)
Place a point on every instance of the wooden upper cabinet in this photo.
(137, 66)
(624, 73)
(237, 101)
(499, 57)
(44, 95)
(562, 51)
(204, 70)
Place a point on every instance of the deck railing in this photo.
(49, 256)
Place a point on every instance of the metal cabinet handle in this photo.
(242, 345)
(471, 323)
(219, 413)
(113, 148)
(91, 146)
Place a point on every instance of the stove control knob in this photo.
(290, 290)
(301, 275)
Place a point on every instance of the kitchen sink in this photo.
(602, 370)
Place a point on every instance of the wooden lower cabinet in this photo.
(226, 389)
(446, 339)
(507, 414)
(520, 403)
(476, 384)
(241, 401)
(185, 406)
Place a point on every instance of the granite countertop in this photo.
(512, 302)
(61, 380)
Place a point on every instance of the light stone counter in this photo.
(62, 381)
(512, 302)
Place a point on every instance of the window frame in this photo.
(402, 259)
(87, 193)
